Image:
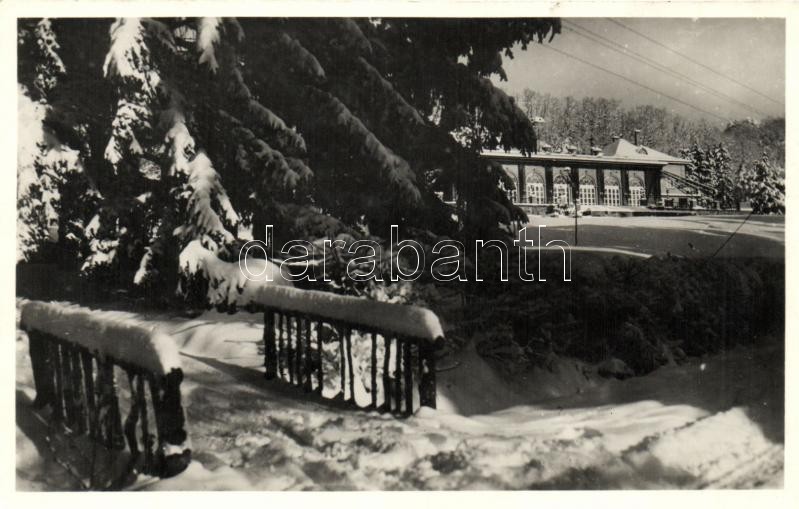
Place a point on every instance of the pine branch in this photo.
(285, 173)
(335, 117)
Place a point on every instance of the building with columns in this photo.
(620, 175)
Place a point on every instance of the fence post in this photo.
(427, 382)
(270, 349)
(42, 366)
(173, 454)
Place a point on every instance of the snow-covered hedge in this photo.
(107, 333)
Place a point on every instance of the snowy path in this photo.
(681, 426)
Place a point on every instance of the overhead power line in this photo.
(645, 87)
(700, 64)
(621, 49)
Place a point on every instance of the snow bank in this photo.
(108, 333)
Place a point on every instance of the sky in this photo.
(748, 50)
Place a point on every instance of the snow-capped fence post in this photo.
(75, 356)
(404, 361)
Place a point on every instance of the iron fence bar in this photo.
(398, 375)
(386, 378)
(408, 383)
(350, 364)
(270, 348)
(320, 365)
(308, 357)
(374, 370)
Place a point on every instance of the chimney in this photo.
(616, 137)
(635, 134)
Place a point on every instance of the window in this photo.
(612, 196)
(637, 192)
(562, 193)
(636, 196)
(535, 191)
(612, 191)
(587, 191)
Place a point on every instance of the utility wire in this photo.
(700, 64)
(732, 234)
(646, 87)
(607, 43)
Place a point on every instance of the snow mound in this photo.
(108, 333)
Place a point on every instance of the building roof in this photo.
(620, 151)
(623, 148)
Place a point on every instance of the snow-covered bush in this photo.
(643, 312)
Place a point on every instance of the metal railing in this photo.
(77, 374)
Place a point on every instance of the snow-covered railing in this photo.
(75, 352)
(395, 345)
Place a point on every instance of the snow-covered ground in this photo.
(691, 236)
(714, 422)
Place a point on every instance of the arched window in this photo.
(612, 191)
(637, 191)
(587, 191)
(561, 191)
(534, 188)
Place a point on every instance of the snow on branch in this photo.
(340, 119)
(258, 115)
(51, 66)
(114, 334)
(306, 61)
(201, 187)
(128, 63)
(380, 85)
(207, 39)
(285, 171)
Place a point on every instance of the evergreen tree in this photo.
(189, 130)
(724, 182)
(50, 179)
(711, 168)
(764, 187)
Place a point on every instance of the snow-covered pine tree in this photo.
(710, 166)
(724, 181)
(204, 129)
(32, 211)
(699, 168)
(49, 173)
(764, 187)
